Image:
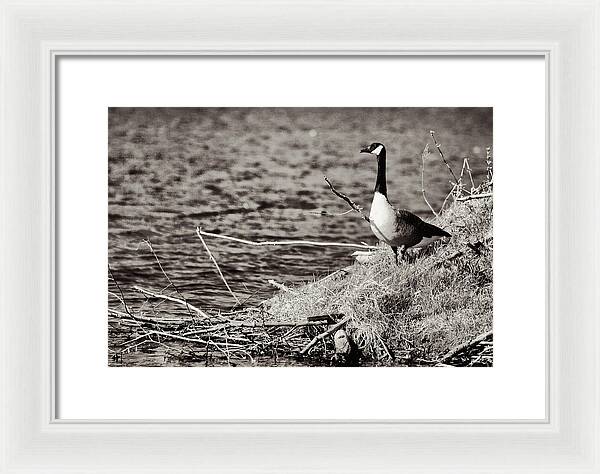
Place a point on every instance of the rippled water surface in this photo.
(257, 173)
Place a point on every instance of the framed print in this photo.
(282, 237)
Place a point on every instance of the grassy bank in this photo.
(415, 312)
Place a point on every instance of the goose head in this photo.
(375, 148)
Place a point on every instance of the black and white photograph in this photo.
(294, 237)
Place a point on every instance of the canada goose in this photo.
(398, 228)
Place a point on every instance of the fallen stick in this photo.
(195, 341)
(142, 319)
(216, 265)
(175, 300)
(461, 347)
(475, 196)
(323, 335)
(284, 242)
(274, 325)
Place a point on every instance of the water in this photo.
(257, 174)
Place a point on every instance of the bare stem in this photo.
(147, 242)
(441, 153)
(216, 265)
(425, 155)
(451, 193)
(468, 167)
(488, 161)
(350, 202)
(175, 300)
(120, 290)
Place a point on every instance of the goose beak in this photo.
(365, 150)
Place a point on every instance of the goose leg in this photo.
(399, 251)
(395, 249)
(402, 251)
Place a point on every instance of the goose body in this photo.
(398, 228)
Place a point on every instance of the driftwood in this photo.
(475, 196)
(461, 347)
(284, 242)
(142, 319)
(323, 335)
(173, 299)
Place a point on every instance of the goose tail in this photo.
(434, 231)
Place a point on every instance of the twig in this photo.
(385, 347)
(216, 265)
(441, 153)
(451, 193)
(330, 214)
(424, 155)
(142, 319)
(488, 161)
(245, 324)
(466, 164)
(169, 335)
(284, 242)
(461, 347)
(175, 300)
(475, 196)
(323, 335)
(147, 242)
(120, 290)
(350, 202)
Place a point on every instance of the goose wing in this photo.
(409, 223)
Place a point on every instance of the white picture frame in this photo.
(34, 35)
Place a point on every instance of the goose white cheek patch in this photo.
(377, 150)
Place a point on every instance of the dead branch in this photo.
(169, 335)
(469, 171)
(284, 242)
(216, 265)
(142, 319)
(424, 155)
(175, 300)
(451, 193)
(147, 242)
(461, 347)
(350, 202)
(122, 298)
(323, 335)
(441, 153)
(475, 196)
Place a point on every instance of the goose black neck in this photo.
(381, 184)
